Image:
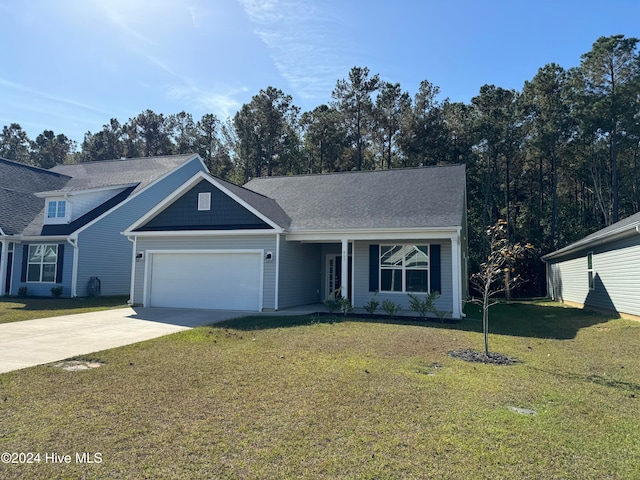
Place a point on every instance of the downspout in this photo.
(73, 241)
(133, 268)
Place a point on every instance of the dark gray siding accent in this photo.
(266, 242)
(616, 272)
(300, 274)
(362, 295)
(40, 289)
(225, 213)
(104, 252)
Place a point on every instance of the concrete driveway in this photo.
(45, 340)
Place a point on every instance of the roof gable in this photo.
(224, 213)
(21, 185)
(232, 208)
(426, 197)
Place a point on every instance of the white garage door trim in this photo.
(259, 253)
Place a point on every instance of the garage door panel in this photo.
(228, 281)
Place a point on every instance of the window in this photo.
(204, 201)
(57, 209)
(590, 270)
(41, 263)
(404, 268)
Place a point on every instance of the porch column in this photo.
(3, 265)
(344, 279)
(456, 276)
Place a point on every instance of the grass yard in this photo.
(13, 309)
(321, 397)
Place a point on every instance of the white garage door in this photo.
(221, 280)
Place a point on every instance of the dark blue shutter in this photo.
(25, 257)
(60, 262)
(374, 267)
(434, 271)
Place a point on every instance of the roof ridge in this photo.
(33, 167)
(112, 160)
(327, 174)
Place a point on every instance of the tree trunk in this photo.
(485, 322)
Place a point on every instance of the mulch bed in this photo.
(479, 357)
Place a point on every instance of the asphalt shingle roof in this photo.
(425, 197)
(22, 212)
(623, 225)
(140, 171)
(18, 183)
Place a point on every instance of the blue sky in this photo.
(71, 65)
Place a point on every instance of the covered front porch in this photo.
(381, 266)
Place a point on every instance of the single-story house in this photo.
(601, 271)
(61, 227)
(280, 242)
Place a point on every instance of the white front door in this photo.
(334, 275)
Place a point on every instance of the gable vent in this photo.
(204, 201)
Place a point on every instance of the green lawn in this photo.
(14, 309)
(320, 397)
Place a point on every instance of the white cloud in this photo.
(303, 43)
(43, 95)
(223, 105)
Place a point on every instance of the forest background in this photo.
(557, 160)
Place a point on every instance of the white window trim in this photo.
(42, 263)
(204, 201)
(590, 272)
(404, 268)
(57, 218)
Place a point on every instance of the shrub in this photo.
(390, 308)
(345, 306)
(22, 291)
(424, 304)
(372, 306)
(332, 303)
(56, 291)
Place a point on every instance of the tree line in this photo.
(556, 160)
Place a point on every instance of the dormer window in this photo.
(57, 209)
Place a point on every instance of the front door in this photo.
(334, 274)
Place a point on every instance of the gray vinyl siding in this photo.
(362, 295)
(616, 271)
(300, 274)
(105, 253)
(223, 242)
(41, 289)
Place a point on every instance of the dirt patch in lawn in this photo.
(76, 365)
(480, 357)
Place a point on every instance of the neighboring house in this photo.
(280, 242)
(60, 227)
(601, 271)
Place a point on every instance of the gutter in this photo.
(592, 242)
